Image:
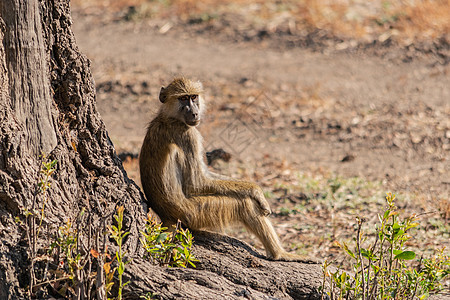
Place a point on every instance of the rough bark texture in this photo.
(89, 174)
(47, 105)
(228, 269)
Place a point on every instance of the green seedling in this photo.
(384, 269)
(168, 248)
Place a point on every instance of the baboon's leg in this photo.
(218, 212)
(212, 212)
(263, 229)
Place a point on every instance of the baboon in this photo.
(178, 184)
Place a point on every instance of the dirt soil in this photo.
(295, 119)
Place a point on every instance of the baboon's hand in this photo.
(263, 205)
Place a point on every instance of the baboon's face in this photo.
(182, 99)
(190, 109)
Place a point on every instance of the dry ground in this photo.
(326, 120)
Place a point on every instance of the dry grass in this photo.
(404, 21)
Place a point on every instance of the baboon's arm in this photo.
(236, 189)
(230, 187)
(220, 185)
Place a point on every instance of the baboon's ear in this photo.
(163, 95)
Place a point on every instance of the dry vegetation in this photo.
(405, 22)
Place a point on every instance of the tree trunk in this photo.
(47, 106)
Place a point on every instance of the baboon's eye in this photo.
(193, 97)
(183, 98)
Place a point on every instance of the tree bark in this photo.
(47, 106)
(30, 87)
(228, 269)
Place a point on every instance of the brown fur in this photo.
(178, 185)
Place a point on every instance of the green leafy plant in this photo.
(62, 264)
(67, 256)
(31, 214)
(70, 276)
(47, 169)
(118, 234)
(67, 240)
(381, 269)
(168, 248)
